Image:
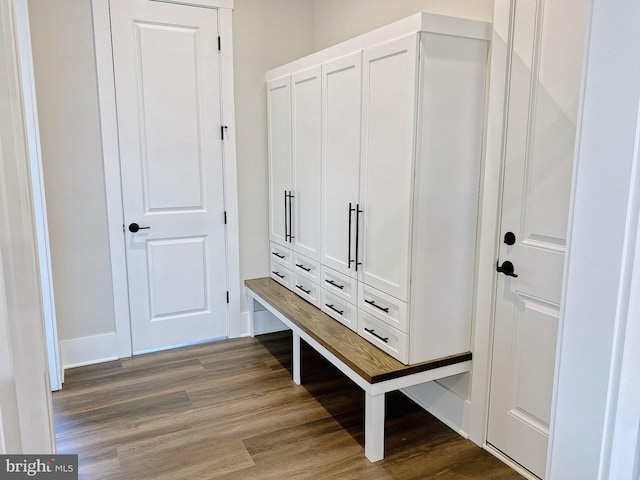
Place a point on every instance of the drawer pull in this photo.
(340, 312)
(278, 274)
(373, 304)
(331, 282)
(277, 254)
(302, 288)
(373, 332)
(299, 265)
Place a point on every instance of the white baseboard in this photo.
(77, 352)
(242, 328)
(443, 404)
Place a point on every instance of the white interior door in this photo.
(543, 103)
(341, 91)
(169, 122)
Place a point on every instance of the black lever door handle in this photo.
(506, 268)
(134, 227)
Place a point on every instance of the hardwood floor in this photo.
(230, 410)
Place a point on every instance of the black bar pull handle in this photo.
(358, 212)
(286, 225)
(299, 287)
(373, 304)
(301, 266)
(349, 260)
(278, 274)
(331, 282)
(291, 237)
(339, 312)
(277, 254)
(373, 332)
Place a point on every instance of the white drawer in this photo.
(280, 254)
(339, 309)
(281, 274)
(387, 338)
(384, 307)
(306, 289)
(339, 284)
(306, 267)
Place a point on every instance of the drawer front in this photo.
(281, 254)
(306, 289)
(390, 310)
(339, 284)
(339, 309)
(281, 274)
(387, 338)
(306, 267)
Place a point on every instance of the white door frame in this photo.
(27, 80)
(111, 159)
(26, 412)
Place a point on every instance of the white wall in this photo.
(265, 34)
(64, 65)
(337, 20)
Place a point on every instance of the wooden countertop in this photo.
(368, 361)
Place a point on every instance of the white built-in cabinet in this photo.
(375, 154)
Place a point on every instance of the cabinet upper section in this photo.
(420, 22)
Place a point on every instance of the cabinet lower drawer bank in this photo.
(367, 366)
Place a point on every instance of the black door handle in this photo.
(506, 268)
(509, 238)
(134, 227)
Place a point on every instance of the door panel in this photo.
(542, 112)
(341, 116)
(167, 100)
(172, 291)
(305, 87)
(388, 124)
(168, 103)
(279, 113)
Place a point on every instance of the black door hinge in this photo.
(227, 296)
(223, 129)
(225, 217)
(219, 44)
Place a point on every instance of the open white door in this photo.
(167, 79)
(546, 64)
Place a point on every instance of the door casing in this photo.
(111, 161)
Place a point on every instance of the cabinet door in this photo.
(341, 93)
(279, 121)
(386, 176)
(306, 125)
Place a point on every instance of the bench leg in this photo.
(251, 303)
(296, 358)
(374, 427)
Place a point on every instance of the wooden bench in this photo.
(369, 367)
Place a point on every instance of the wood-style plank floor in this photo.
(229, 410)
